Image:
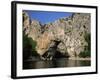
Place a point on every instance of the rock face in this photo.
(31, 28)
(69, 31)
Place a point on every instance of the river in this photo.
(57, 63)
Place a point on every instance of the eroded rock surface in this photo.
(31, 28)
(69, 31)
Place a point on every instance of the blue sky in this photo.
(45, 17)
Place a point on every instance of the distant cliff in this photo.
(71, 33)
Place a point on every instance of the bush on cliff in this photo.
(28, 47)
(87, 50)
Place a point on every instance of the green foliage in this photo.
(88, 40)
(28, 47)
(85, 53)
(25, 41)
(32, 43)
(87, 50)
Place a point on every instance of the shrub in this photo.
(87, 49)
(28, 47)
(84, 54)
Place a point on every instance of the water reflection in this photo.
(55, 63)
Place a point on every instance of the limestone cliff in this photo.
(69, 31)
(31, 28)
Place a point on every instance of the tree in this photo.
(87, 49)
(28, 47)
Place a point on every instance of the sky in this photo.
(45, 17)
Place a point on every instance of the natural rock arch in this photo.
(69, 31)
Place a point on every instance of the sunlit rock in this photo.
(69, 31)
